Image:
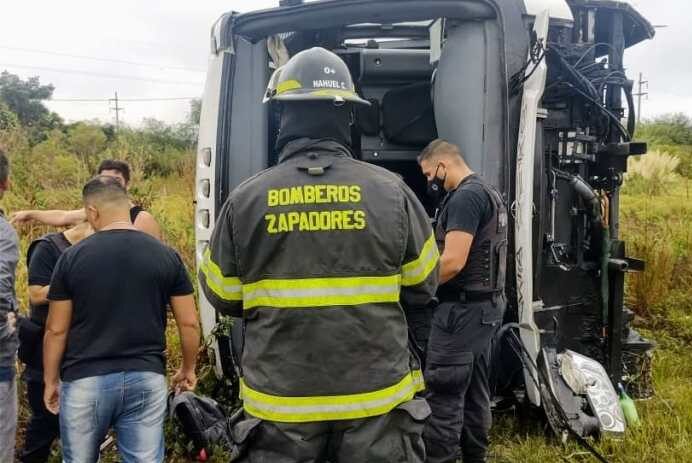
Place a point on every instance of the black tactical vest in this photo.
(487, 262)
(39, 313)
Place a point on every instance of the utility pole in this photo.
(639, 96)
(117, 110)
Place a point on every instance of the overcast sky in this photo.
(158, 49)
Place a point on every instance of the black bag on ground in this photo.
(201, 419)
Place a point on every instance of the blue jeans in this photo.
(132, 403)
(8, 414)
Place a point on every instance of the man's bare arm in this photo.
(147, 223)
(54, 342)
(188, 327)
(38, 294)
(55, 218)
(455, 254)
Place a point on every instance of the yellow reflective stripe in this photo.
(416, 271)
(335, 92)
(226, 288)
(418, 380)
(288, 85)
(327, 408)
(321, 292)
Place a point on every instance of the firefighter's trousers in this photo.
(392, 438)
(457, 378)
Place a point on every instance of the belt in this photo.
(469, 296)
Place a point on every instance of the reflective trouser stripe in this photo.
(416, 271)
(226, 288)
(321, 292)
(328, 408)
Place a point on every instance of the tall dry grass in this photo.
(657, 229)
(652, 174)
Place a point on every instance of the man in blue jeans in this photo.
(9, 255)
(105, 333)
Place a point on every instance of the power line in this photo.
(640, 94)
(100, 100)
(117, 110)
(98, 74)
(106, 60)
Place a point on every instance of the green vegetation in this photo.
(51, 161)
(670, 134)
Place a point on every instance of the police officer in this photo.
(471, 232)
(316, 254)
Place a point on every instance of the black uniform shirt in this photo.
(467, 208)
(43, 259)
(44, 256)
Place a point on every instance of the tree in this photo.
(161, 135)
(195, 111)
(669, 129)
(189, 130)
(8, 119)
(86, 141)
(24, 98)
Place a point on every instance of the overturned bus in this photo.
(535, 94)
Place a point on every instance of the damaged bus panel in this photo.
(535, 94)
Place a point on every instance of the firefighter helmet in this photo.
(315, 74)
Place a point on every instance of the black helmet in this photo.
(313, 75)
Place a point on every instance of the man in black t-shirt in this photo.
(43, 427)
(471, 232)
(105, 334)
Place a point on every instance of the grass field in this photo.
(657, 229)
(665, 434)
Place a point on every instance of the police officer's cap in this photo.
(315, 74)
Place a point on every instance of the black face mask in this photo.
(436, 188)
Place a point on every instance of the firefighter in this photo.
(317, 254)
(471, 232)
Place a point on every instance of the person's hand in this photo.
(20, 217)
(51, 397)
(184, 380)
(11, 322)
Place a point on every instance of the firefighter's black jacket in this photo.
(317, 254)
